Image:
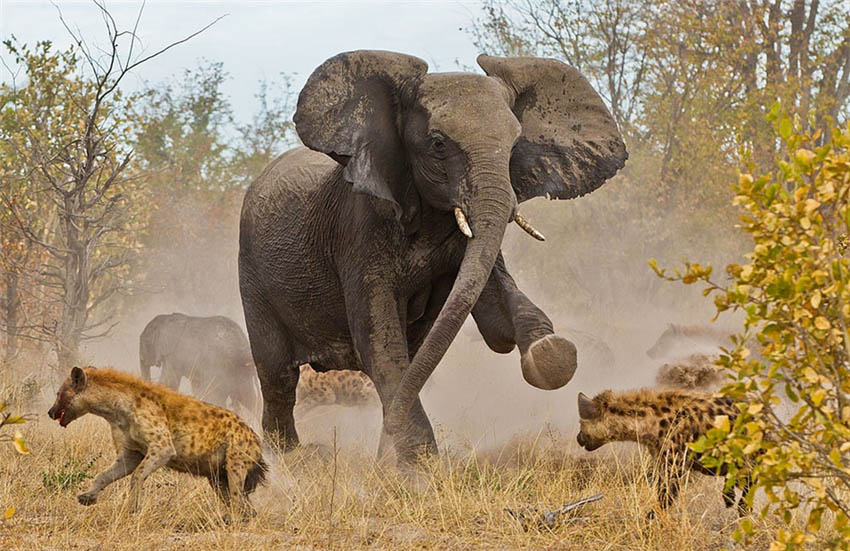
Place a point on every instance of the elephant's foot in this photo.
(280, 435)
(549, 362)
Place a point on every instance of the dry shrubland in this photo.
(336, 496)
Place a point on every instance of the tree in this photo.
(688, 82)
(795, 294)
(75, 161)
(198, 161)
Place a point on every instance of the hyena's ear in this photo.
(587, 408)
(78, 379)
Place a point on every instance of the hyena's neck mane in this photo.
(113, 392)
(637, 415)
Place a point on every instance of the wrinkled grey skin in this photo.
(350, 255)
(212, 352)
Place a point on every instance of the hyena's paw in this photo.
(87, 498)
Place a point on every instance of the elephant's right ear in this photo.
(349, 109)
(570, 144)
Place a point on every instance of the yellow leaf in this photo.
(815, 300)
(804, 156)
(805, 223)
(755, 409)
(9, 512)
(822, 323)
(19, 443)
(811, 205)
(722, 422)
(818, 396)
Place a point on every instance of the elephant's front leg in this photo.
(506, 317)
(376, 320)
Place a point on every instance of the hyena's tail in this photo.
(256, 475)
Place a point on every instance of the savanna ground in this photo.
(332, 494)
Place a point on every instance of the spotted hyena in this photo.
(693, 372)
(678, 340)
(154, 426)
(664, 422)
(340, 388)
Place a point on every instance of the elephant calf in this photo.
(212, 352)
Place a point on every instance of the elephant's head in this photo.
(473, 145)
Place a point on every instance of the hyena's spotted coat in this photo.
(154, 426)
(664, 422)
(340, 388)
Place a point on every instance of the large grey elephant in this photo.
(369, 249)
(212, 352)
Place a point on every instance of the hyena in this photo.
(154, 426)
(664, 422)
(340, 388)
(688, 339)
(693, 372)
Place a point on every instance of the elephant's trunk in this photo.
(491, 205)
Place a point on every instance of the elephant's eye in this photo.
(438, 146)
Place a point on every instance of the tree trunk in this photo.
(12, 307)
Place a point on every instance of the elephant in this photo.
(370, 245)
(212, 352)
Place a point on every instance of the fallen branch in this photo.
(548, 520)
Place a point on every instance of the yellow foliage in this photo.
(795, 294)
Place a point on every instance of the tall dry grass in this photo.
(326, 497)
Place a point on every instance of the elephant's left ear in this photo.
(349, 109)
(570, 143)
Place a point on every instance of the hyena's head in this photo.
(594, 430)
(666, 342)
(70, 399)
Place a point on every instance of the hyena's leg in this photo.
(218, 481)
(666, 478)
(237, 465)
(729, 496)
(743, 508)
(160, 452)
(124, 465)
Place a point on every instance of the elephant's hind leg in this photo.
(278, 379)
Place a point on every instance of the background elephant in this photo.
(212, 352)
(371, 250)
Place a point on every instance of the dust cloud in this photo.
(594, 284)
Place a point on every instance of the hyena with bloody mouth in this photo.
(153, 426)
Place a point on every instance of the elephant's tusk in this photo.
(462, 223)
(523, 223)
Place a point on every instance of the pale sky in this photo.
(259, 39)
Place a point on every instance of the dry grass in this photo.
(318, 498)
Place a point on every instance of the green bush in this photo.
(68, 476)
(793, 432)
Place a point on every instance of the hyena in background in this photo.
(679, 340)
(694, 372)
(154, 426)
(664, 422)
(333, 388)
